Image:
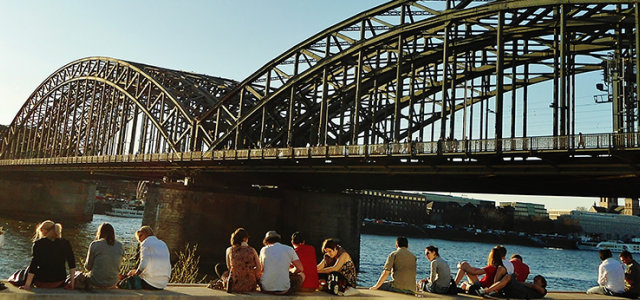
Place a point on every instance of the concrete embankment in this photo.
(179, 292)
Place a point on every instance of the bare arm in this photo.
(338, 265)
(538, 288)
(298, 268)
(381, 280)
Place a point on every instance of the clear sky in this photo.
(225, 38)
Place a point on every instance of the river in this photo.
(565, 270)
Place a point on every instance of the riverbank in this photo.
(199, 291)
(454, 234)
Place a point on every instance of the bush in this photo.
(186, 270)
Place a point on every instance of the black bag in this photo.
(19, 278)
(336, 283)
(453, 288)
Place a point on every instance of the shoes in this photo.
(481, 292)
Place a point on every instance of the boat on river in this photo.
(619, 246)
(587, 245)
(126, 211)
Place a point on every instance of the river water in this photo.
(565, 270)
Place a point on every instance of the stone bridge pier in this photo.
(207, 216)
(43, 197)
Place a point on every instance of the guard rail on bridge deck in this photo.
(591, 143)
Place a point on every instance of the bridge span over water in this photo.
(403, 95)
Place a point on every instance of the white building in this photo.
(607, 226)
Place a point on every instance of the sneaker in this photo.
(481, 292)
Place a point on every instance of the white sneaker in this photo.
(350, 292)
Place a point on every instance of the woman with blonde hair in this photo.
(103, 260)
(50, 253)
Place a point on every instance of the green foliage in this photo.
(130, 260)
(186, 270)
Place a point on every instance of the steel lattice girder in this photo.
(99, 105)
(356, 88)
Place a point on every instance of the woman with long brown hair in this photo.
(50, 253)
(103, 260)
(494, 265)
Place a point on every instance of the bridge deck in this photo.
(177, 292)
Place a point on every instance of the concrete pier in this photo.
(206, 216)
(60, 200)
(180, 292)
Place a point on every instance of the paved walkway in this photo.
(179, 292)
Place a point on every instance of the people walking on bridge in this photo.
(337, 271)
(610, 276)
(243, 264)
(154, 269)
(401, 264)
(275, 259)
(439, 281)
(50, 255)
(494, 263)
(103, 260)
(307, 255)
(631, 275)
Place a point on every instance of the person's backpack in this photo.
(336, 283)
(453, 288)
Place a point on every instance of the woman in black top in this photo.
(50, 252)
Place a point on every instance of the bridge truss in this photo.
(398, 72)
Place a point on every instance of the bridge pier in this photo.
(60, 200)
(182, 215)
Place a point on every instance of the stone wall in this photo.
(45, 198)
(196, 215)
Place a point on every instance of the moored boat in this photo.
(619, 246)
(127, 211)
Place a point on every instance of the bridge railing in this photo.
(575, 144)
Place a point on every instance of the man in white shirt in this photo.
(610, 276)
(155, 265)
(275, 259)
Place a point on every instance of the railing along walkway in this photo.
(592, 142)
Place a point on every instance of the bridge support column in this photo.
(182, 215)
(44, 198)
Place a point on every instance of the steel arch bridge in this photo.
(398, 72)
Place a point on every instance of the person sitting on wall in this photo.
(244, 265)
(338, 265)
(275, 259)
(520, 269)
(512, 288)
(610, 276)
(155, 265)
(307, 255)
(50, 254)
(631, 275)
(103, 260)
(401, 263)
(439, 281)
(494, 263)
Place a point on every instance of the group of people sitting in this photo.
(52, 254)
(616, 280)
(280, 269)
(501, 276)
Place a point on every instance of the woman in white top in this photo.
(155, 266)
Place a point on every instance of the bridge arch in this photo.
(101, 106)
(415, 77)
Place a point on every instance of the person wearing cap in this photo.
(275, 259)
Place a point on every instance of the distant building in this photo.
(555, 213)
(414, 208)
(527, 210)
(610, 205)
(618, 226)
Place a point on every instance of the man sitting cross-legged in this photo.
(511, 288)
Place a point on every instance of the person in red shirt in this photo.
(520, 269)
(307, 255)
(494, 262)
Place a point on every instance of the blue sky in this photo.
(225, 38)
